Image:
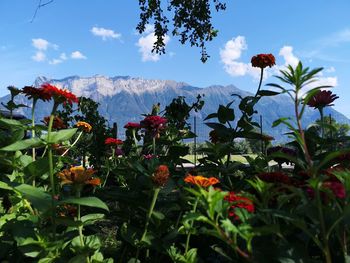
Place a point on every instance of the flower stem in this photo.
(260, 82)
(326, 250)
(74, 143)
(80, 227)
(322, 122)
(52, 180)
(154, 145)
(148, 218)
(189, 233)
(33, 134)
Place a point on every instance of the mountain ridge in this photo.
(124, 98)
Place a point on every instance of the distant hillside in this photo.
(124, 99)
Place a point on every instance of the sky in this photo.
(92, 37)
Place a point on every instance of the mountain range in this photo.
(123, 99)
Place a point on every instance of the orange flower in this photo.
(161, 175)
(201, 180)
(78, 175)
(86, 127)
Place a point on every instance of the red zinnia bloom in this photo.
(59, 95)
(275, 177)
(35, 93)
(238, 201)
(263, 61)
(132, 125)
(322, 99)
(113, 142)
(201, 180)
(337, 188)
(57, 123)
(161, 175)
(154, 124)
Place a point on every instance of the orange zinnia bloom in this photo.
(161, 175)
(78, 175)
(86, 127)
(201, 180)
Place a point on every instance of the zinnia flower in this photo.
(280, 149)
(132, 125)
(263, 61)
(59, 95)
(161, 175)
(337, 188)
(113, 142)
(275, 177)
(322, 99)
(35, 93)
(57, 123)
(238, 201)
(154, 124)
(201, 180)
(78, 175)
(86, 127)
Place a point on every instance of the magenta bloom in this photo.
(322, 99)
(132, 125)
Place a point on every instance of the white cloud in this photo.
(145, 44)
(105, 33)
(287, 53)
(63, 56)
(230, 55)
(39, 56)
(40, 44)
(327, 81)
(77, 55)
(55, 61)
(330, 70)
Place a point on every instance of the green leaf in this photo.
(225, 114)
(37, 196)
(24, 144)
(60, 136)
(86, 201)
(211, 116)
(268, 93)
(38, 167)
(91, 218)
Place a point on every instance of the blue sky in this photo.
(92, 37)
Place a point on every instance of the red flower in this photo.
(337, 188)
(154, 124)
(59, 95)
(132, 125)
(238, 201)
(322, 99)
(113, 142)
(275, 177)
(263, 61)
(57, 123)
(35, 93)
(161, 175)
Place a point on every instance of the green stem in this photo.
(322, 122)
(109, 170)
(134, 136)
(33, 134)
(148, 218)
(74, 143)
(51, 176)
(33, 130)
(260, 82)
(80, 227)
(325, 246)
(189, 233)
(154, 145)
